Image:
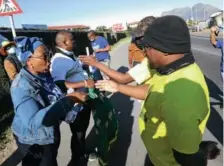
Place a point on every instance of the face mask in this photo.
(12, 50)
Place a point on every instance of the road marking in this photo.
(201, 37)
(207, 52)
(204, 37)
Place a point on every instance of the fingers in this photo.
(102, 85)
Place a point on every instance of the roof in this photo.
(69, 27)
(216, 14)
(133, 23)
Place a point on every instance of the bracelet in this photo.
(86, 85)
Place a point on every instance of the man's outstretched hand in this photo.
(107, 85)
(88, 60)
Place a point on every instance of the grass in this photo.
(5, 138)
(5, 130)
(122, 41)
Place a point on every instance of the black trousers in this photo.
(36, 155)
(78, 129)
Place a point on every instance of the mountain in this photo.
(199, 12)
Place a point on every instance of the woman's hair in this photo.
(143, 25)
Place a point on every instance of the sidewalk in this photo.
(205, 33)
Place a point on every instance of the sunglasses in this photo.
(45, 57)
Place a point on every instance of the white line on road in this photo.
(204, 37)
(207, 52)
(201, 37)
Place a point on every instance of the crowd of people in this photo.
(47, 91)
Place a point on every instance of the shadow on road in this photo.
(215, 122)
(147, 161)
(124, 106)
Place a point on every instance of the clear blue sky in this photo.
(61, 12)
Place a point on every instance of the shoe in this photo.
(79, 162)
(93, 157)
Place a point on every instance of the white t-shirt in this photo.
(141, 72)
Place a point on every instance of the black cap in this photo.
(168, 34)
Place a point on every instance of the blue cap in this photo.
(26, 47)
(4, 42)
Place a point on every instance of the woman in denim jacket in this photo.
(39, 105)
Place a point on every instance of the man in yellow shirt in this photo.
(176, 106)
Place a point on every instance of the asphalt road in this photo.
(129, 149)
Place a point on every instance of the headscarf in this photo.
(26, 47)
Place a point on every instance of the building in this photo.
(117, 27)
(70, 27)
(133, 24)
(217, 19)
(34, 26)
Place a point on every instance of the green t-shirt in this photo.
(174, 115)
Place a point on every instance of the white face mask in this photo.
(12, 50)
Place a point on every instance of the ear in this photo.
(65, 43)
(29, 63)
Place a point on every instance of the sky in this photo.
(94, 13)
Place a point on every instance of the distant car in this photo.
(196, 29)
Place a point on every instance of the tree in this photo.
(190, 23)
(101, 28)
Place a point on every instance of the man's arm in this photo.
(138, 92)
(123, 78)
(81, 84)
(213, 38)
(106, 49)
(10, 69)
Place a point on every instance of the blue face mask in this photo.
(11, 50)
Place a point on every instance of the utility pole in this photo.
(196, 15)
(204, 15)
(192, 17)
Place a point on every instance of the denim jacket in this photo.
(31, 106)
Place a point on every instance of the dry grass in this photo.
(7, 145)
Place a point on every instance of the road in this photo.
(129, 149)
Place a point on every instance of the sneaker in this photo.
(92, 157)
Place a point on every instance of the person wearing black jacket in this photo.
(68, 74)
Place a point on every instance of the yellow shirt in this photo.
(174, 115)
